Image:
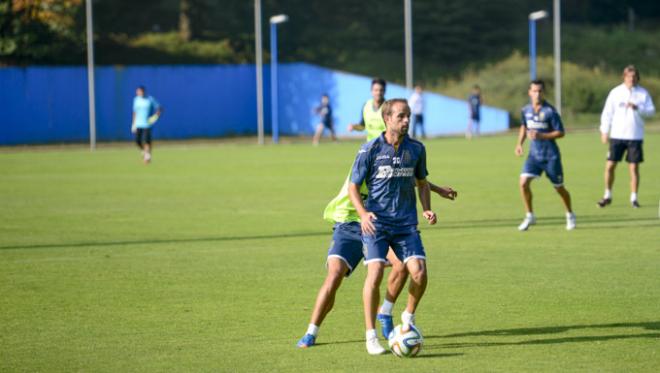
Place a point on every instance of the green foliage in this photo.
(504, 84)
(209, 260)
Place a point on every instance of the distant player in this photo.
(346, 248)
(474, 103)
(542, 124)
(325, 112)
(391, 165)
(416, 103)
(146, 110)
(622, 123)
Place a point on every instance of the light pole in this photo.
(274, 21)
(260, 80)
(407, 12)
(533, 17)
(557, 46)
(90, 75)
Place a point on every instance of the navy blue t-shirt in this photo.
(475, 106)
(390, 177)
(545, 121)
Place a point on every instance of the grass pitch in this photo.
(210, 259)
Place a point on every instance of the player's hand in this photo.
(133, 129)
(351, 127)
(604, 138)
(533, 135)
(366, 223)
(519, 150)
(449, 193)
(631, 105)
(430, 217)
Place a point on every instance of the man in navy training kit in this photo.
(474, 102)
(325, 112)
(542, 124)
(391, 165)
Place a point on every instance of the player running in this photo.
(542, 124)
(391, 165)
(345, 252)
(146, 111)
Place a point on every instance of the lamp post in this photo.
(90, 75)
(274, 21)
(533, 17)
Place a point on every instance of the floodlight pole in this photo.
(259, 67)
(557, 47)
(274, 21)
(533, 17)
(90, 76)
(407, 11)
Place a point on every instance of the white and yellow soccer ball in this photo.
(405, 341)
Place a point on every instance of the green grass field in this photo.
(210, 259)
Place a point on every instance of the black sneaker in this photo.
(635, 204)
(604, 202)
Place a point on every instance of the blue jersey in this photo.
(475, 106)
(546, 120)
(144, 107)
(390, 177)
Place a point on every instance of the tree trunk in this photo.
(185, 32)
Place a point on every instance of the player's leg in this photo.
(395, 283)
(634, 157)
(468, 131)
(408, 246)
(138, 138)
(317, 134)
(344, 255)
(421, 126)
(531, 170)
(331, 128)
(147, 145)
(416, 288)
(325, 300)
(376, 252)
(554, 171)
(614, 156)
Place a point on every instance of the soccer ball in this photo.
(405, 341)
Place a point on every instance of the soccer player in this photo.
(145, 110)
(474, 102)
(621, 122)
(542, 124)
(325, 112)
(391, 165)
(346, 248)
(416, 103)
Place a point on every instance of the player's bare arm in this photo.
(522, 134)
(366, 217)
(604, 138)
(356, 127)
(444, 192)
(424, 191)
(535, 135)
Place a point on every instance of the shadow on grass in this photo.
(168, 241)
(653, 325)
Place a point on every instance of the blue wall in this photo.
(49, 104)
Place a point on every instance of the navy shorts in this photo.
(406, 244)
(347, 244)
(632, 148)
(552, 167)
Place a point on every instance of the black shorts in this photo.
(632, 148)
(143, 135)
(327, 124)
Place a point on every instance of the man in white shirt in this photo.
(416, 103)
(621, 123)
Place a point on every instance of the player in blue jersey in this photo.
(542, 124)
(146, 111)
(391, 166)
(474, 103)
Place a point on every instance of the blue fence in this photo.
(49, 104)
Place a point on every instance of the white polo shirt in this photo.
(622, 122)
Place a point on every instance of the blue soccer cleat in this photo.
(307, 340)
(386, 324)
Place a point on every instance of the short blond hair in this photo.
(386, 109)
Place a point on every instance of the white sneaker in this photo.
(570, 221)
(529, 220)
(374, 347)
